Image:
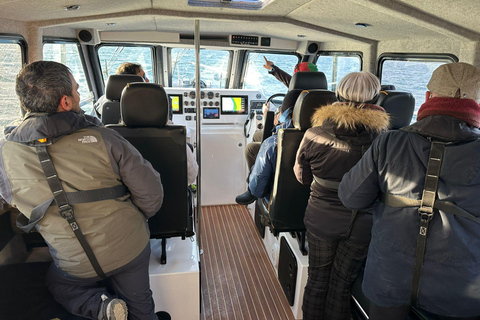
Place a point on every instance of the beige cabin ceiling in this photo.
(319, 20)
(464, 13)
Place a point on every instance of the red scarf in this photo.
(467, 110)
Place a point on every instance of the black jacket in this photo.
(340, 134)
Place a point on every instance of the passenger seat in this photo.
(113, 92)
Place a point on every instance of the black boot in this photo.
(245, 198)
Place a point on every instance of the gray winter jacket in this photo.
(396, 164)
(86, 156)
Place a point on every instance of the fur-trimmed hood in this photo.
(349, 116)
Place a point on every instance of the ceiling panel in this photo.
(54, 9)
(208, 27)
(342, 15)
(131, 23)
(464, 13)
(319, 20)
(277, 8)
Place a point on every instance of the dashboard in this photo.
(216, 105)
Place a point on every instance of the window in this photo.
(68, 54)
(411, 73)
(10, 64)
(214, 67)
(257, 77)
(111, 57)
(336, 65)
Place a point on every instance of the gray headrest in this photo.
(308, 80)
(144, 105)
(307, 103)
(399, 105)
(116, 83)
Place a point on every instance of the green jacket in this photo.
(87, 156)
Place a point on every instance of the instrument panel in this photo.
(216, 105)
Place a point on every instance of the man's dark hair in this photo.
(41, 85)
(129, 68)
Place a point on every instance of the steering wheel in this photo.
(203, 85)
(273, 99)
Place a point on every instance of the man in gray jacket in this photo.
(93, 201)
(425, 247)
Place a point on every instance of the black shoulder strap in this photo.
(65, 209)
(37, 214)
(426, 212)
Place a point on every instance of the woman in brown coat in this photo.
(338, 238)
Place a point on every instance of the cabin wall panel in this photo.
(59, 32)
(470, 53)
(13, 27)
(35, 43)
(422, 46)
(466, 51)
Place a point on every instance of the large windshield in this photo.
(111, 57)
(214, 65)
(258, 78)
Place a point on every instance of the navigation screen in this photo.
(234, 104)
(176, 103)
(210, 113)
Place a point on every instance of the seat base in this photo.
(178, 282)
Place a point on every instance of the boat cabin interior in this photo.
(204, 60)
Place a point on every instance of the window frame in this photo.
(122, 44)
(17, 39)
(420, 57)
(347, 54)
(55, 40)
(169, 65)
(359, 54)
(248, 52)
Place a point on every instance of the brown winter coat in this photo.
(340, 133)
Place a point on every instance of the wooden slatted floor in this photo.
(238, 280)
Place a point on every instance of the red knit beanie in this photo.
(467, 110)
(305, 66)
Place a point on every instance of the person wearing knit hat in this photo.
(282, 118)
(428, 258)
(283, 76)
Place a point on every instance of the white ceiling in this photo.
(319, 20)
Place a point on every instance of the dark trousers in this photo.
(332, 268)
(251, 151)
(82, 297)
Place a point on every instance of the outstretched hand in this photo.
(268, 64)
(266, 108)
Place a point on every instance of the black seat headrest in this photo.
(384, 87)
(144, 105)
(290, 99)
(308, 80)
(307, 103)
(116, 83)
(399, 105)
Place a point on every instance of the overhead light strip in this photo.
(234, 4)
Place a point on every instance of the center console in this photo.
(224, 128)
